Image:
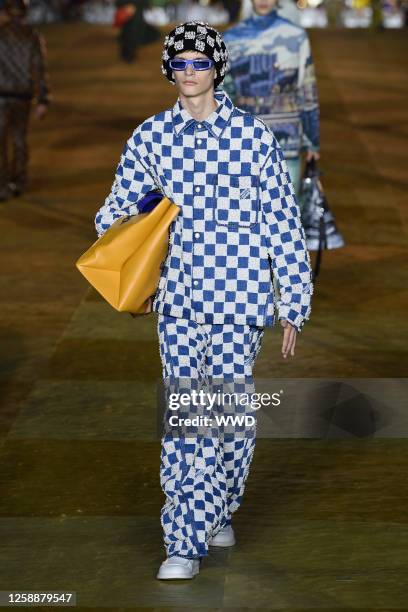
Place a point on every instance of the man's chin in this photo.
(194, 91)
(263, 12)
(191, 92)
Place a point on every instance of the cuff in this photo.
(292, 316)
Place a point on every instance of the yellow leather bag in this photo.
(124, 264)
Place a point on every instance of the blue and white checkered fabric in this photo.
(203, 477)
(239, 216)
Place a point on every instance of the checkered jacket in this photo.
(238, 218)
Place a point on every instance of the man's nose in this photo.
(189, 69)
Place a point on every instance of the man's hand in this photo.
(289, 339)
(148, 308)
(41, 110)
(149, 304)
(312, 155)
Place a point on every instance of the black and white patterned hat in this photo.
(196, 36)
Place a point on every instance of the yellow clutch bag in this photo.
(124, 264)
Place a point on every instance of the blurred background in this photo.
(309, 13)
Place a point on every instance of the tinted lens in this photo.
(202, 64)
(177, 64)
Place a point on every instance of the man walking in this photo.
(238, 219)
(272, 75)
(22, 76)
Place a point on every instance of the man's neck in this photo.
(199, 107)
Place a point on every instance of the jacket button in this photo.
(199, 141)
(197, 235)
(199, 125)
(197, 189)
(195, 283)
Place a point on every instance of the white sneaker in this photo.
(225, 537)
(178, 568)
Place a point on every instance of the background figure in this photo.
(334, 10)
(71, 9)
(22, 75)
(404, 8)
(233, 8)
(272, 76)
(135, 31)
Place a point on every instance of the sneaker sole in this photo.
(225, 544)
(175, 574)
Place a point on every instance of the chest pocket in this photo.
(236, 200)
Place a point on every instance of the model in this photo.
(238, 217)
(22, 77)
(135, 32)
(272, 76)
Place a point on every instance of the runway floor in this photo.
(324, 524)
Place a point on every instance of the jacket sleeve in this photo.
(286, 240)
(39, 70)
(308, 98)
(132, 181)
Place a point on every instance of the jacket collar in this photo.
(215, 123)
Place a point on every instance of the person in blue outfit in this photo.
(272, 75)
(238, 219)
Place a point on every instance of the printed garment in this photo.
(272, 76)
(22, 62)
(238, 216)
(203, 476)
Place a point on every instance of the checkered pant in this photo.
(203, 477)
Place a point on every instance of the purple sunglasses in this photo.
(198, 64)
